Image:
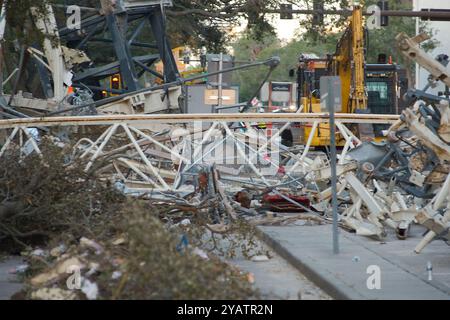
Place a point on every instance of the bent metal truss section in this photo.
(150, 155)
(184, 118)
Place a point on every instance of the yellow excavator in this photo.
(349, 62)
(365, 87)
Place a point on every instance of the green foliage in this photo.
(383, 40)
(210, 23)
(247, 48)
(18, 17)
(320, 32)
(322, 40)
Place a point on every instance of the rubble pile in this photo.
(146, 262)
(75, 231)
(400, 181)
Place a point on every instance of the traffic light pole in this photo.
(444, 15)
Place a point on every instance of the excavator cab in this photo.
(310, 69)
(381, 83)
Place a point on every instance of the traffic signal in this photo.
(286, 11)
(318, 17)
(384, 6)
(203, 58)
(186, 56)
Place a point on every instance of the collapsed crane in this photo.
(67, 59)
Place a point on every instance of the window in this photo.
(380, 87)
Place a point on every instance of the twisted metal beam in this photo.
(142, 119)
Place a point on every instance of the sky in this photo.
(286, 28)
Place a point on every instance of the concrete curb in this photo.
(346, 276)
(315, 274)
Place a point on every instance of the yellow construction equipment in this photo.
(363, 86)
(183, 68)
(348, 63)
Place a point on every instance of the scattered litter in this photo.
(58, 251)
(38, 253)
(93, 268)
(116, 275)
(119, 241)
(90, 289)
(19, 269)
(202, 254)
(429, 271)
(91, 244)
(251, 278)
(184, 243)
(185, 222)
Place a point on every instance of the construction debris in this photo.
(183, 183)
(386, 184)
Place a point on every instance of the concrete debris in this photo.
(289, 219)
(262, 258)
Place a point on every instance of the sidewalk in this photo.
(8, 282)
(344, 276)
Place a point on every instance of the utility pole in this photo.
(330, 88)
(436, 15)
(333, 160)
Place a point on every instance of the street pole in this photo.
(436, 15)
(333, 161)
